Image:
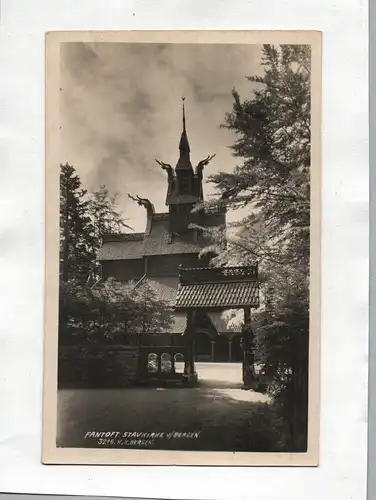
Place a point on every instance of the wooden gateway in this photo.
(216, 289)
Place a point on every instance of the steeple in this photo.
(184, 162)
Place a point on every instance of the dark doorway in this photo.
(221, 349)
(236, 349)
(203, 350)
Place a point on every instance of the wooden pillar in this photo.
(212, 349)
(190, 343)
(159, 360)
(172, 362)
(230, 349)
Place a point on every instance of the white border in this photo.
(342, 470)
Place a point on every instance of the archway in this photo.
(179, 362)
(152, 365)
(166, 363)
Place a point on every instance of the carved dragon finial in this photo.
(201, 164)
(168, 168)
(144, 202)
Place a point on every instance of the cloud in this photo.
(121, 108)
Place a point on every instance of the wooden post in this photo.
(230, 350)
(190, 342)
(187, 342)
(191, 333)
(212, 349)
(159, 360)
(172, 362)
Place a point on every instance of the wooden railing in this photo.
(161, 362)
(218, 275)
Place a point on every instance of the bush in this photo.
(265, 430)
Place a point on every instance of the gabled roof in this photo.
(158, 241)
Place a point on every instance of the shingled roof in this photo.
(218, 288)
(158, 241)
(217, 295)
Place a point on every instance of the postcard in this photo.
(182, 309)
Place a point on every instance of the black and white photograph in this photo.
(182, 283)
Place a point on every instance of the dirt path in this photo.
(217, 409)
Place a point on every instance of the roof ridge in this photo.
(122, 237)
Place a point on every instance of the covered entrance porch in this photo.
(204, 290)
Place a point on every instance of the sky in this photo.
(120, 108)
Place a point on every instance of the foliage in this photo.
(128, 309)
(84, 219)
(103, 211)
(273, 142)
(281, 342)
(111, 312)
(105, 219)
(76, 230)
(265, 430)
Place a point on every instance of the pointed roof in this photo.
(184, 162)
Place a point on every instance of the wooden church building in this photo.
(168, 242)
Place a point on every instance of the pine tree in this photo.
(76, 230)
(104, 212)
(105, 219)
(273, 142)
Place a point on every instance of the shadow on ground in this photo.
(225, 417)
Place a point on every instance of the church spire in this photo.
(184, 162)
(183, 99)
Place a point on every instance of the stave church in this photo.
(168, 242)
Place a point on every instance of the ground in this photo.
(217, 409)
